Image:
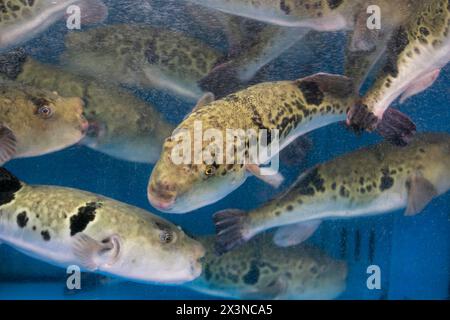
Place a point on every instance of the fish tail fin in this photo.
(360, 118)
(230, 225)
(396, 127)
(11, 63)
(8, 182)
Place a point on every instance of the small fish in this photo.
(143, 56)
(120, 124)
(21, 20)
(260, 270)
(35, 122)
(292, 107)
(416, 52)
(66, 227)
(375, 180)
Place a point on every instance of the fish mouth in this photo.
(161, 201)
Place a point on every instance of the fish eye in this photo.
(166, 236)
(45, 112)
(210, 170)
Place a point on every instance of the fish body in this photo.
(320, 15)
(375, 180)
(416, 52)
(143, 56)
(66, 227)
(120, 124)
(35, 122)
(22, 20)
(260, 270)
(291, 107)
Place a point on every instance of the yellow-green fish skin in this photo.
(418, 46)
(260, 270)
(142, 55)
(36, 135)
(369, 181)
(128, 128)
(20, 20)
(292, 107)
(44, 222)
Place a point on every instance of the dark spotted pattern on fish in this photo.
(22, 219)
(9, 185)
(85, 215)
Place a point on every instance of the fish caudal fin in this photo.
(360, 118)
(396, 127)
(229, 229)
(11, 63)
(8, 144)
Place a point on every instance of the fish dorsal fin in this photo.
(295, 234)
(94, 254)
(271, 291)
(420, 192)
(338, 85)
(8, 144)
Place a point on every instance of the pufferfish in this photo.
(374, 180)
(65, 227)
(261, 270)
(143, 56)
(120, 124)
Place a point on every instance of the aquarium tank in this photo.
(117, 119)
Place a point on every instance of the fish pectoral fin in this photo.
(420, 192)
(420, 85)
(206, 99)
(271, 291)
(295, 234)
(94, 254)
(337, 85)
(275, 179)
(8, 144)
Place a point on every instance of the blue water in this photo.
(412, 252)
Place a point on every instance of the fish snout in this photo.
(162, 196)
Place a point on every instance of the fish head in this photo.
(166, 255)
(50, 123)
(182, 188)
